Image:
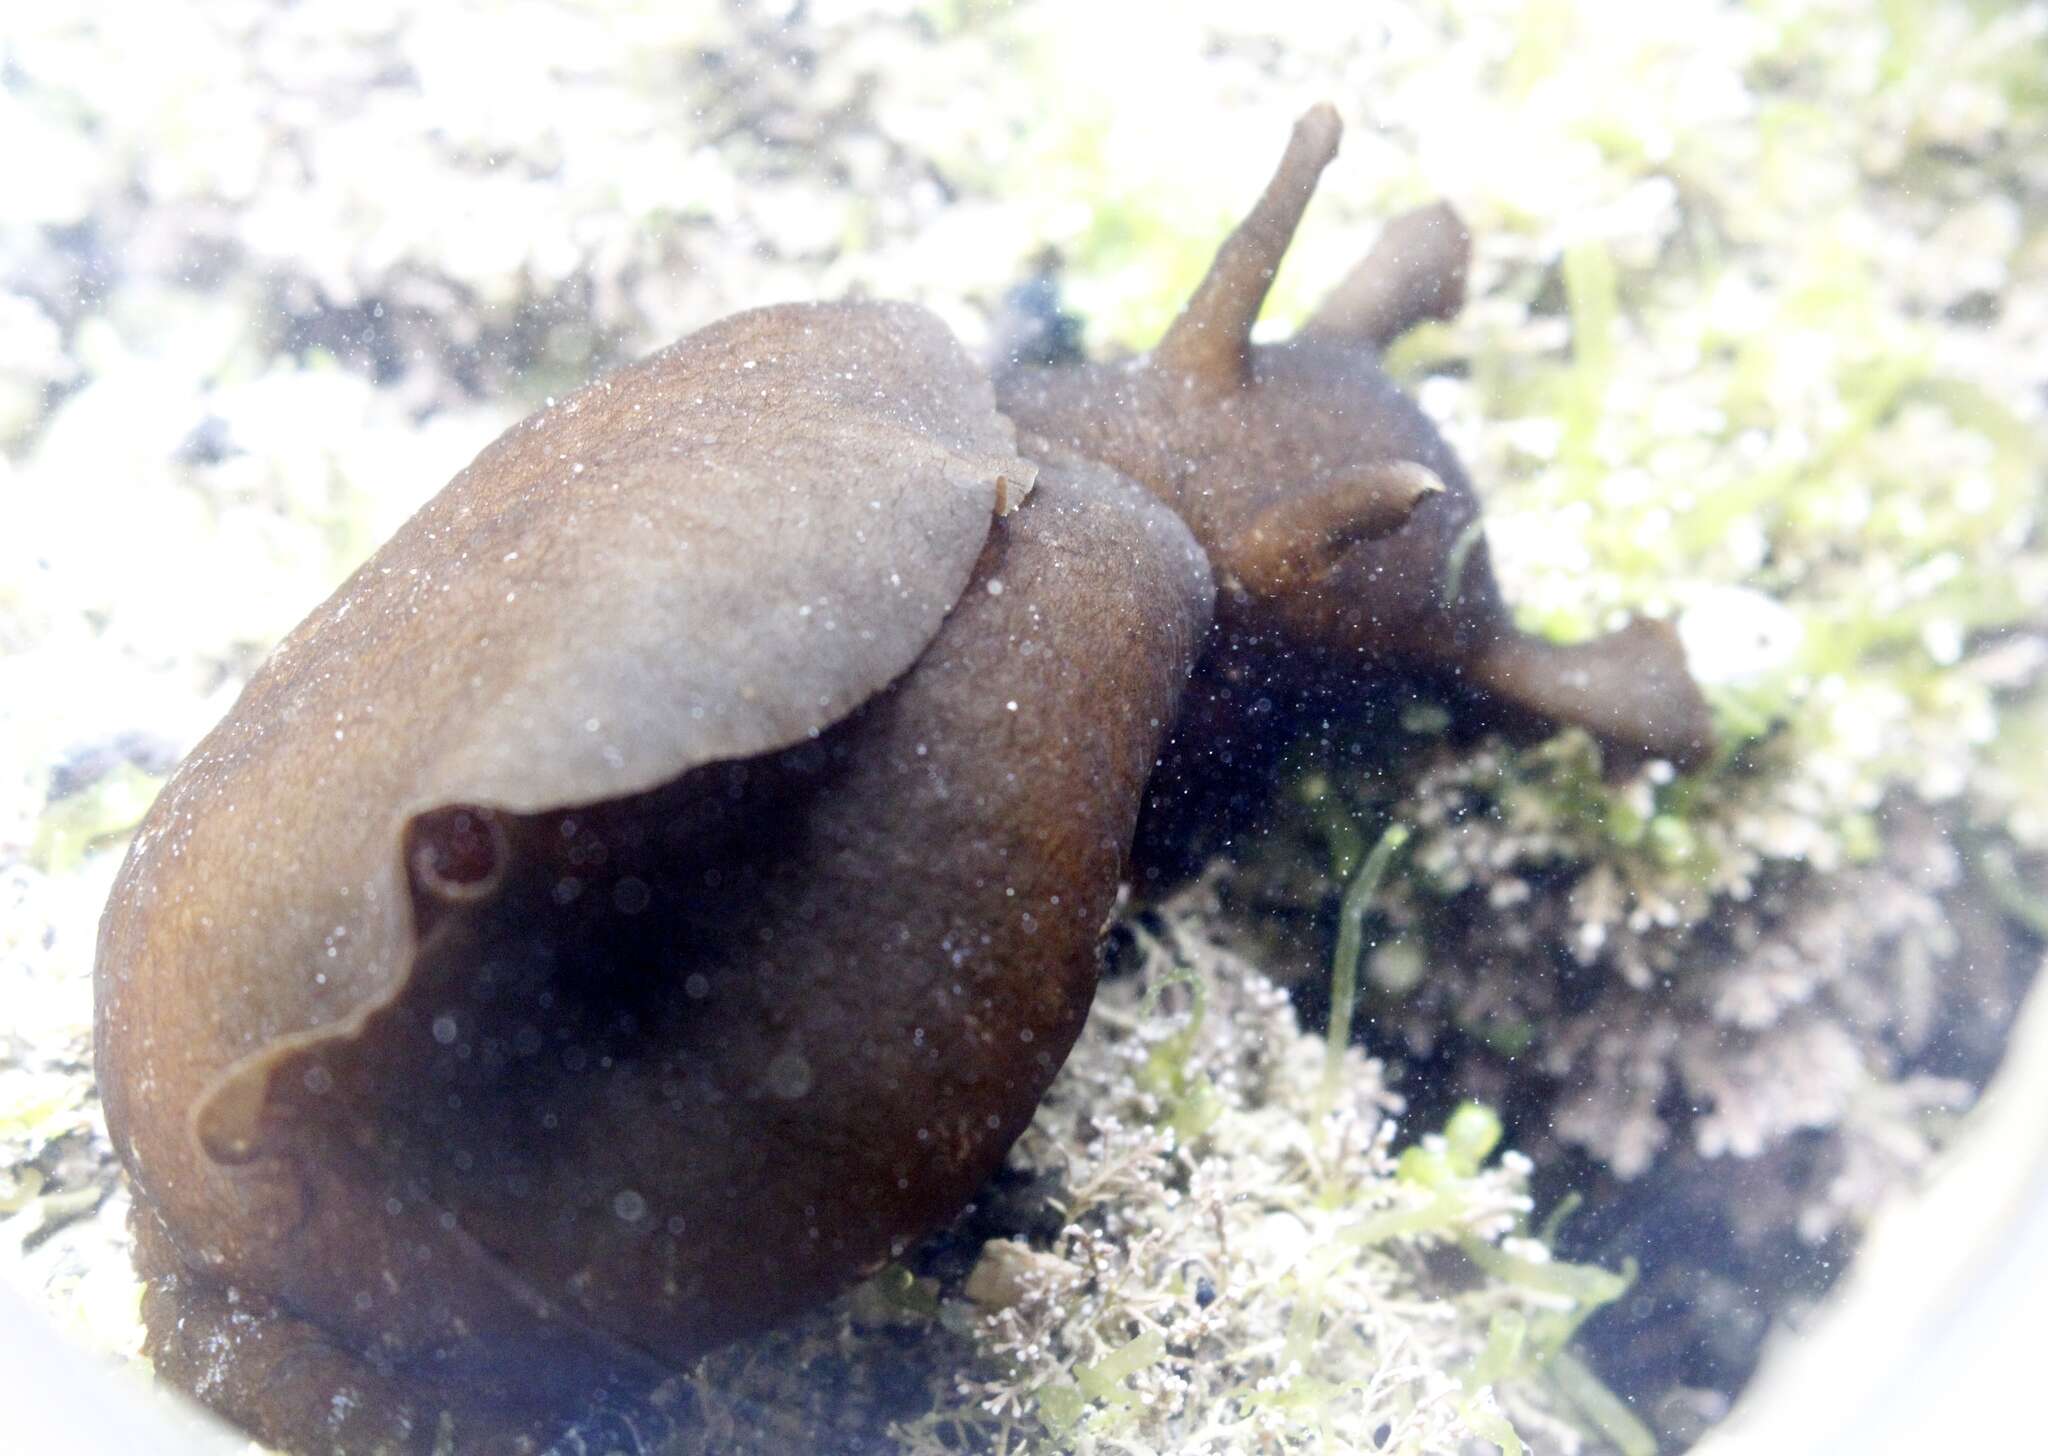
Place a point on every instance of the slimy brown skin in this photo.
(484, 1027)
(1286, 460)
(661, 882)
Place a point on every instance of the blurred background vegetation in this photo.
(1758, 340)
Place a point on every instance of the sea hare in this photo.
(661, 882)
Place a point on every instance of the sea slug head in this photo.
(1342, 529)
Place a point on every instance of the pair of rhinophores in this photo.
(659, 885)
